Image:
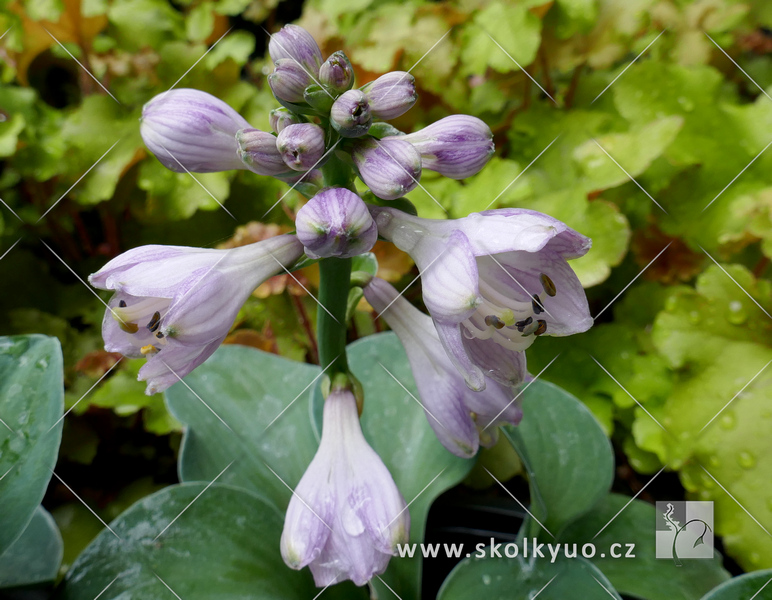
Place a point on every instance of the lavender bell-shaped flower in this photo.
(492, 281)
(294, 43)
(350, 114)
(289, 81)
(346, 516)
(258, 151)
(301, 146)
(391, 95)
(390, 167)
(336, 73)
(190, 130)
(461, 418)
(335, 222)
(457, 146)
(174, 305)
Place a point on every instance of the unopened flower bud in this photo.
(457, 146)
(289, 80)
(301, 146)
(190, 130)
(350, 114)
(279, 118)
(295, 43)
(391, 95)
(335, 222)
(337, 73)
(390, 167)
(258, 151)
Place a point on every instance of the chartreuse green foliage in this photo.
(31, 397)
(570, 464)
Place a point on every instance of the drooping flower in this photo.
(174, 305)
(350, 114)
(335, 222)
(192, 130)
(294, 43)
(346, 515)
(301, 146)
(390, 167)
(457, 146)
(493, 280)
(391, 95)
(461, 418)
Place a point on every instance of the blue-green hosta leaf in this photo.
(636, 570)
(225, 545)
(514, 578)
(35, 557)
(31, 402)
(566, 453)
(745, 586)
(249, 408)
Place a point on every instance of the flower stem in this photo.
(334, 275)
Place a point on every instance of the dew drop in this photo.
(728, 420)
(746, 460)
(737, 314)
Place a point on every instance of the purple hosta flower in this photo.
(350, 114)
(457, 146)
(390, 167)
(346, 516)
(296, 44)
(461, 418)
(289, 80)
(192, 130)
(493, 281)
(175, 305)
(301, 146)
(337, 73)
(391, 95)
(335, 222)
(279, 118)
(258, 152)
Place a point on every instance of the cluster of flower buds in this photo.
(492, 282)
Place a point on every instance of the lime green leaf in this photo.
(512, 26)
(31, 394)
(35, 557)
(199, 22)
(144, 23)
(717, 413)
(634, 151)
(176, 196)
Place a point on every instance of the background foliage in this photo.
(689, 336)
